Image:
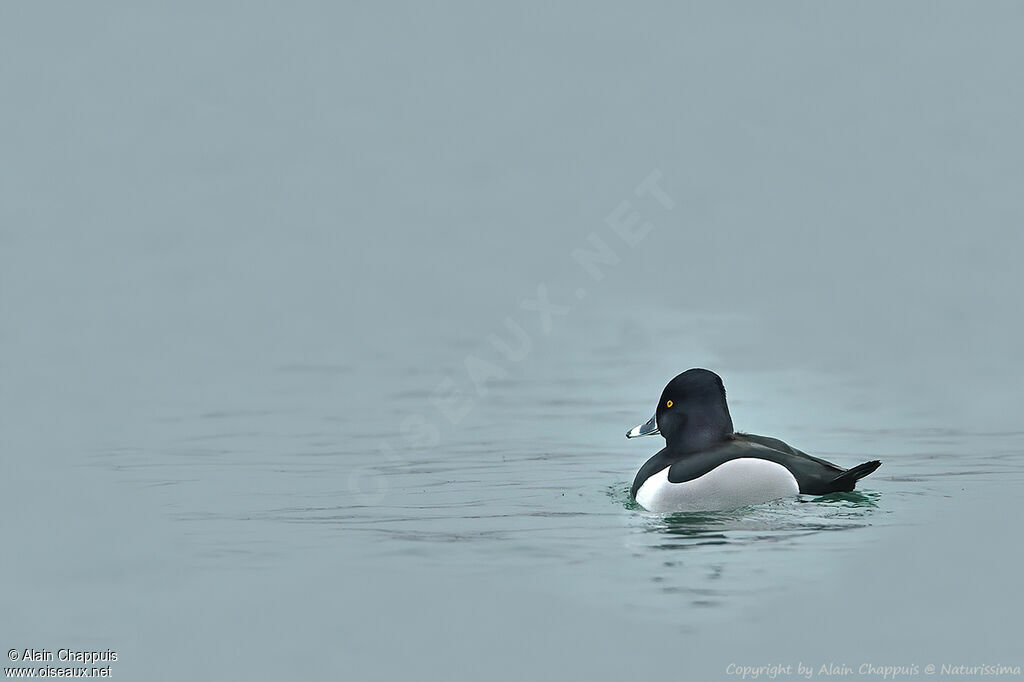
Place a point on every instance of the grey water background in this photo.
(246, 247)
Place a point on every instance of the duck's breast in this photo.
(735, 483)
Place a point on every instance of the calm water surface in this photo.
(254, 424)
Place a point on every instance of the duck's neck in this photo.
(701, 434)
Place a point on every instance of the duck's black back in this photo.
(814, 476)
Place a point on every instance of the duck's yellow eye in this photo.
(668, 404)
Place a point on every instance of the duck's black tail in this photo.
(845, 481)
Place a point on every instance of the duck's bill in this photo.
(648, 428)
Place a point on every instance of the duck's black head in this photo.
(692, 414)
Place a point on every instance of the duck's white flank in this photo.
(735, 483)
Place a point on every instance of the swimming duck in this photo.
(706, 466)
